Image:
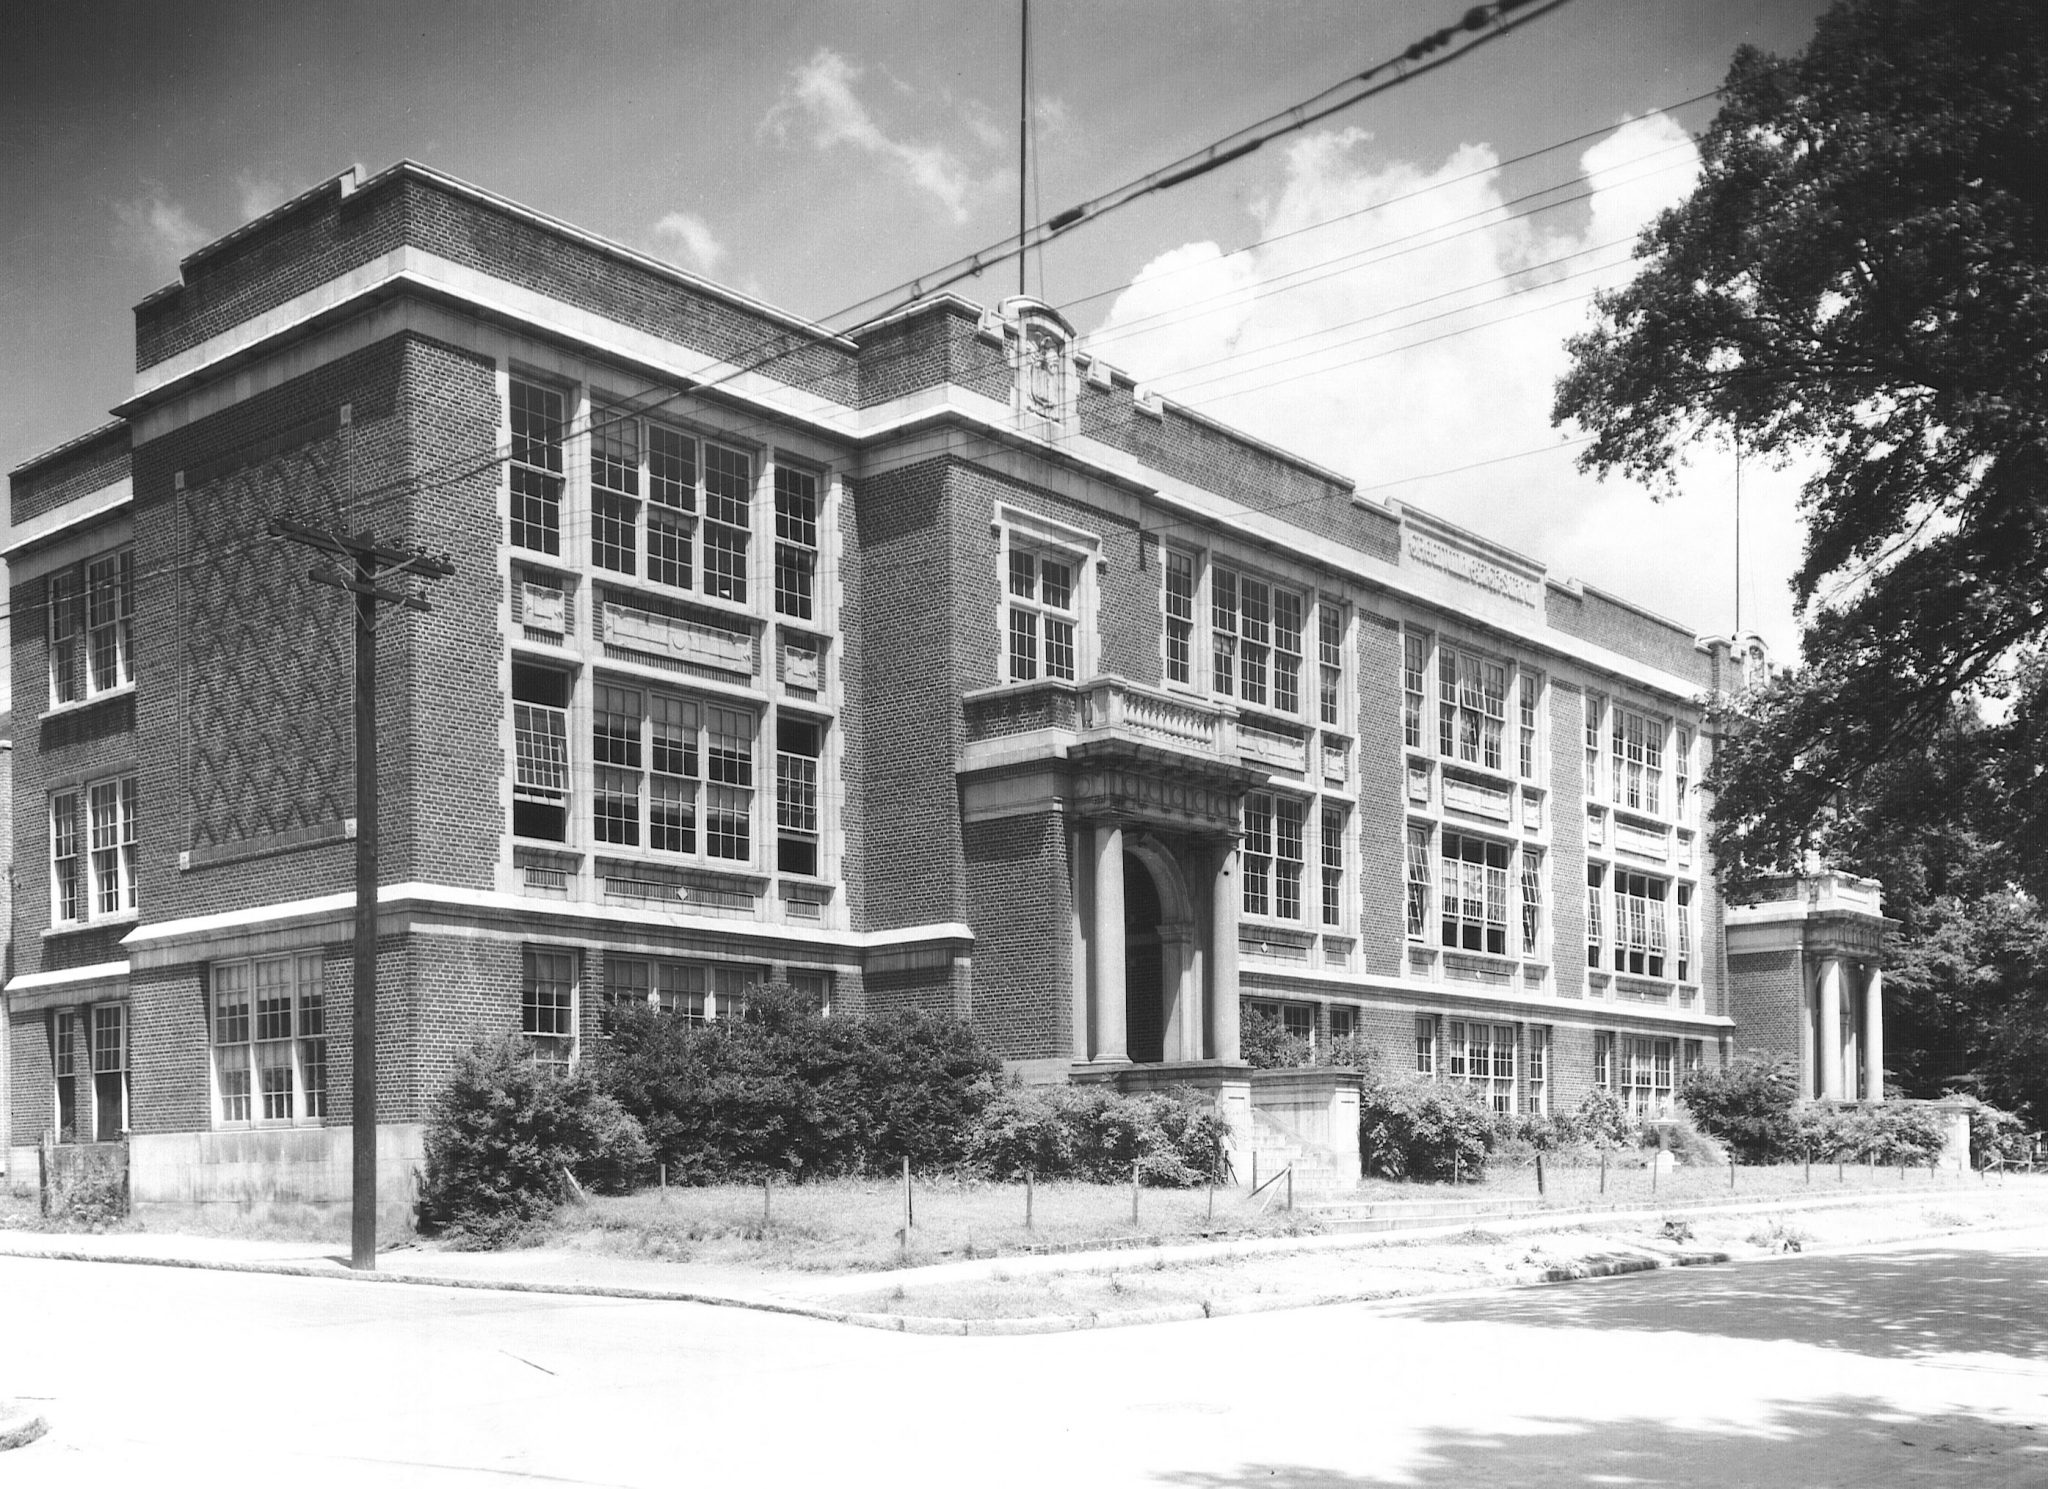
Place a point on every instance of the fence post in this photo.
(1840, 1177)
(1134, 1191)
(1809, 1165)
(1027, 1199)
(1731, 1171)
(909, 1205)
(1290, 1189)
(1603, 1170)
(767, 1198)
(1457, 1167)
(1539, 1175)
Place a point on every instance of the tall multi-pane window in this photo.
(1330, 661)
(1414, 657)
(92, 627)
(1694, 1056)
(1256, 640)
(1483, 1055)
(92, 851)
(1042, 614)
(1681, 806)
(540, 735)
(1273, 855)
(64, 1039)
(665, 766)
(674, 760)
(1425, 1045)
(1333, 865)
(1474, 912)
(728, 519)
(796, 541)
(615, 492)
(695, 992)
(1596, 897)
(1180, 617)
(797, 746)
(1646, 1075)
(1638, 761)
(617, 720)
(109, 1069)
(1532, 900)
(671, 506)
(547, 1006)
(1472, 707)
(1592, 744)
(1603, 1061)
(535, 472)
(269, 1040)
(1639, 930)
(1536, 1071)
(1684, 917)
(1526, 696)
(1418, 881)
(729, 782)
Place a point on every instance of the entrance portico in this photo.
(1825, 932)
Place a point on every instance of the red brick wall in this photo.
(1568, 839)
(1019, 903)
(928, 348)
(1593, 617)
(1767, 1000)
(31, 1077)
(1382, 813)
(93, 463)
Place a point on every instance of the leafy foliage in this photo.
(1603, 1121)
(1094, 1134)
(1265, 1044)
(1891, 1133)
(1747, 1104)
(505, 1134)
(1995, 1134)
(1861, 276)
(1683, 1140)
(1414, 1129)
(787, 1091)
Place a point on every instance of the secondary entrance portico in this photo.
(1809, 955)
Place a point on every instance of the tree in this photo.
(1861, 277)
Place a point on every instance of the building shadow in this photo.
(1932, 1301)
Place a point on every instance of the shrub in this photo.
(1264, 1044)
(1094, 1134)
(786, 1090)
(1891, 1133)
(1603, 1121)
(1685, 1142)
(1553, 1132)
(1994, 1134)
(506, 1132)
(1411, 1129)
(1747, 1105)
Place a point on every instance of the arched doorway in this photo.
(1144, 965)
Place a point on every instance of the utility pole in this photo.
(368, 562)
(1023, 137)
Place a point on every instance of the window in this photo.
(1180, 617)
(1475, 894)
(615, 492)
(1536, 1100)
(269, 1040)
(1418, 881)
(1681, 805)
(696, 992)
(92, 627)
(1042, 614)
(535, 472)
(728, 515)
(1603, 1061)
(1343, 1022)
(813, 987)
(1638, 761)
(1532, 900)
(664, 766)
(92, 852)
(1472, 707)
(797, 746)
(1684, 918)
(540, 734)
(1695, 1055)
(1257, 640)
(696, 521)
(1333, 865)
(1639, 931)
(1297, 1020)
(1526, 695)
(1425, 1045)
(547, 1006)
(1646, 1076)
(1330, 659)
(64, 1038)
(616, 723)
(1272, 855)
(1596, 877)
(1414, 657)
(796, 541)
(1483, 1055)
(1592, 745)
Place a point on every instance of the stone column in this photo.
(1873, 1036)
(1106, 947)
(1222, 1000)
(1829, 1032)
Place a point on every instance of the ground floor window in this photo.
(1536, 1093)
(89, 1057)
(697, 992)
(547, 1006)
(269, 1040)
(1297, 1020)
(1646, 1076)
(1483, 1055)
(1425, 1045)
(1343, 1022)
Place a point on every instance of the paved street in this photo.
(1926, 1364)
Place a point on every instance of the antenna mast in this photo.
(1023, 135)
(1738, 527)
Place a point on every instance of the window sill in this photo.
(80, 705)
(293, 1124)
(101, 923)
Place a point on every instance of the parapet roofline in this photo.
(70, 446)
(350, 181)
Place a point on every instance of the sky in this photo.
(1387, 293)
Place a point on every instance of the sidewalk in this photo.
(1046, 1293)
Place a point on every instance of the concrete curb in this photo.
(19, 1426)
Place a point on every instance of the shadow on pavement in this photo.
(1837, 1441)
(1883, 1305)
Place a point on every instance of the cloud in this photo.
(158, 228)
(1401, 324)
(255, 195)
(691, 240)
(820, 96)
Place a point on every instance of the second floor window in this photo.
(673, 774)
(1475, 894)
(1414, 658)
(687, 504)
(1330, 659)
(92, 852)
(1640, 933)
(92, 627)
(798, 743)
(535, 473)
(1180, 617)
(1638, 761)
(1472, 695)
(1272, 855)
(796, 541)
(1042, 614)
(1256, 645)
